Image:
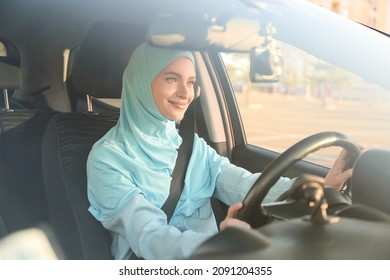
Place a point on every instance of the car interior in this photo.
(63, 142)
(45, 140)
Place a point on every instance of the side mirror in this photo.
(265, 64)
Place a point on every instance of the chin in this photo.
(176, 118)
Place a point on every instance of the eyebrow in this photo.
(177, 75)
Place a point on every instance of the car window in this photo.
(311, 96)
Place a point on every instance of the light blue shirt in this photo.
(142, 228)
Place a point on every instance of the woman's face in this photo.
(173, 88)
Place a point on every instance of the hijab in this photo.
(147, 134)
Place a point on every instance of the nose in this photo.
(184, 91)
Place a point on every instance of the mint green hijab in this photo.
(143, 145)
(148, 136)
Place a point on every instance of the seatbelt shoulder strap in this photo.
(186, 131)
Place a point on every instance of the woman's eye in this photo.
(172, 79)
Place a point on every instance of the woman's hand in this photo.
(231, 220)
(340, 171)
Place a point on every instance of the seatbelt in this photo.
(3, 228)
(186, 131)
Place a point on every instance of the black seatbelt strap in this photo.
(186, 131)
(3, 228)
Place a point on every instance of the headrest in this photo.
(370, 182)
(103, 57)
(9, 76)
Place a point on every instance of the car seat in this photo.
(99, 64)
(370, 187)
(69, 137)
(371, 179)
(22, 196)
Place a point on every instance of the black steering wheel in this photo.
(252, 212)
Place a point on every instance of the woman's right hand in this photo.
(231, 219)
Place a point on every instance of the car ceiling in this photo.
(77, 16)
(31, 24)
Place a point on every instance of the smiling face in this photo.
(173, 88)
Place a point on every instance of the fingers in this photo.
(347, 174)
(340, 179)
(231, 220)
(342, 160)
(233, 210)
(340, 172)
(237, 223)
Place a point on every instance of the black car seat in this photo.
(69, 137)
(370, 187)
(371, 179)
(22, 196)
(102, 57)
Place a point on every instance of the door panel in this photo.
(255, 159)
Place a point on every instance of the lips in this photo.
(179, 104)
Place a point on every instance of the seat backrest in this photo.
(370, 182)
(66, 144)
(69, 137)
(22, 196)
(100, 61)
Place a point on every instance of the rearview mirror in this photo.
(265, 64)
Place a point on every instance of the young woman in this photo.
(129, 169)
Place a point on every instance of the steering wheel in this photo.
(252, 212)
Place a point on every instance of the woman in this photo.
(129, 168)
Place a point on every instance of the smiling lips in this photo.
(179, 104)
